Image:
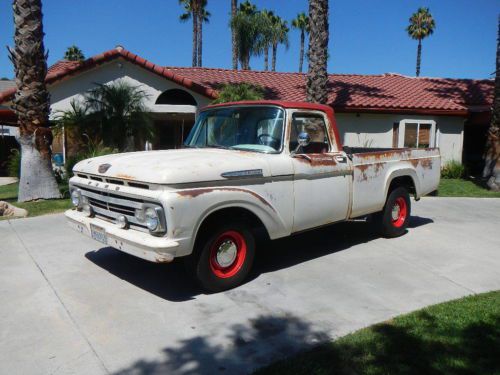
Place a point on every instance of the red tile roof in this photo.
(391, 93)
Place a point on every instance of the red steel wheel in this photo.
(399, 212)
(227, 254)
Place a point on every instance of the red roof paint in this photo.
(390, 93)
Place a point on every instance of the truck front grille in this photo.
(109, 206)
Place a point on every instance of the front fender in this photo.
(189, 208)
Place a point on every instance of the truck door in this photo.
(322, 174)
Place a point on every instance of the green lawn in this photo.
(457, 337)
(463, 188)
(8, 193)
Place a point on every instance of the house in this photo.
(388, 110)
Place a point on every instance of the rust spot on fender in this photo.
(365, 170)
(193, 193)
(318, 160)
(425, 163)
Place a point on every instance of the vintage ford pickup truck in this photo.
(268, 166)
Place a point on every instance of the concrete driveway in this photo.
(69, 307)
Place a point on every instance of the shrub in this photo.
(14, 164)
(92, 151)
(453, 169)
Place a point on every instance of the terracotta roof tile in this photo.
(389, 92)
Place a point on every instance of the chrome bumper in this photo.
(133, 242)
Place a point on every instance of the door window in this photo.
(315, 126)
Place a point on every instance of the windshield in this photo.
(258, 129)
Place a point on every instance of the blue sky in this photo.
(366, 36)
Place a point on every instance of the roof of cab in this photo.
(279, 103)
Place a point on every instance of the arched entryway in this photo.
(174, 113)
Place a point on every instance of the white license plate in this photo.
(98, 234)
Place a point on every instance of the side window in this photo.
(417, 134)
(315, 126)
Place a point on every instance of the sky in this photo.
(366, 36)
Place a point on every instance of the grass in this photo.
(451, 187)
(8, 193)
(457, 337)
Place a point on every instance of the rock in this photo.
(6, 209)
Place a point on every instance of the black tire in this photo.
(388, 225)
(203, 264)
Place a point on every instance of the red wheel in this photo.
(227, 254)
(222, 257)
(399, 212)
(394, 218)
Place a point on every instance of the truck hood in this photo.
(174, 166)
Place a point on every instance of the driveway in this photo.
(69, 307)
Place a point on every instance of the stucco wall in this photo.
(63, 92)
(375, 130)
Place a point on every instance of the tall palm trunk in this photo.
(492, 155)
(301, 58)
(31, 103)
(266, 58)
(194, 16)
(234, 6)
(200, 38)
(275, 50)
(419, 56)
(317, 76)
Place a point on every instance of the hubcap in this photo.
(226, 253)
(395, 212)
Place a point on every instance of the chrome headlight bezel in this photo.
(161, 226)
(76, 198)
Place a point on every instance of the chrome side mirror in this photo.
(303, 139)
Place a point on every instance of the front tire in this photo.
(395, 217)
(223, 257)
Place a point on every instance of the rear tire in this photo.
(394, 218)
(223, 257)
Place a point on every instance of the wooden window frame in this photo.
(433, 138)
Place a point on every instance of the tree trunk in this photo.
(194, 16)
(266, 58)
(419, 56)
(301, 58)
(234, 6)
(200, 38)
(492, 155)
(275, 50)
(31, 103)
(317, 76)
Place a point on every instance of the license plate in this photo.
(98, 234)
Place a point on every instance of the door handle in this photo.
(341, 158)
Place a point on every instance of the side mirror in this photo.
(303, 140)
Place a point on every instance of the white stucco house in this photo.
(388, 110)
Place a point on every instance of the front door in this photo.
(321, 174)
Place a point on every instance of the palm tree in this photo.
(301, 23)
(250, 27)
(268, 35)
(317, 76)
(73, 53)
(492, 156)
(31, 103)
(191, 8)
(421, 25)
(120, 110)
(234, 45)
(203, 16)
(279, 34)
(234, 92)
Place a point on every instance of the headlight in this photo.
(76, 197)
(152, 219)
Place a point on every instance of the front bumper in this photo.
(133, 242)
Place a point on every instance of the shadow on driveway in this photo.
(170, 281)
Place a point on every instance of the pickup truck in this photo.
(247, 167)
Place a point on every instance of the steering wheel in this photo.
(270, 141)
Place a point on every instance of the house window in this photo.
(417, 133)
